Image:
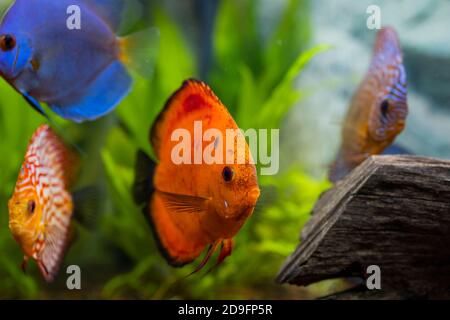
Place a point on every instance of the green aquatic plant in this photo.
(254, 75)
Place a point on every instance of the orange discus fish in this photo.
(193, 206)
(378, 109)
(41, 207)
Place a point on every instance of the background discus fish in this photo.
(193, 206)
(80, 73)
(41, 207)
(378, 109)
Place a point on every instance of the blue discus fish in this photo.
(81, 74)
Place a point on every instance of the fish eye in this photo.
(7, 42)
(384, 106)
(31, 206)
(227, 174)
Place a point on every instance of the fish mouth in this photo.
(251, 199)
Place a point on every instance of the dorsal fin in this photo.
(387, 43)
(191, 88)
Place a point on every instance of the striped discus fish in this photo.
(378, 109)
(41, 207)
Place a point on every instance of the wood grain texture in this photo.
(392, 211)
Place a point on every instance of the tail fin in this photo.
(139, 51)
(88, 203)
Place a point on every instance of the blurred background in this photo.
(289, 64)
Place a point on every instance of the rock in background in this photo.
(312, 132)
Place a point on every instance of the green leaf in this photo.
(292, 35)
(285, 96)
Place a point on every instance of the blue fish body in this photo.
(77, 73)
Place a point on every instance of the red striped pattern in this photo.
(44, 178)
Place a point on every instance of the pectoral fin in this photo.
(180, 203)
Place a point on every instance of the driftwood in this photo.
(391, 211)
